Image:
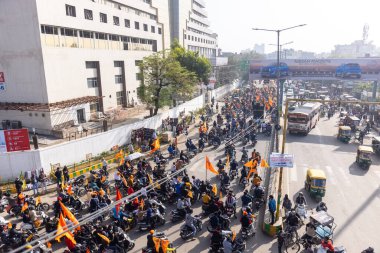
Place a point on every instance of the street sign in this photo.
(281, 160)
(15, 140)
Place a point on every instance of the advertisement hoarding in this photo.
(281, 160)
(14, 140)
(316, 69)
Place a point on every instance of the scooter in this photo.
(248, 232)
(186, 231)
(301, 211)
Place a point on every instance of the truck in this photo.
(270, 71)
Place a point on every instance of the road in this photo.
(352, 193)
(201, 243)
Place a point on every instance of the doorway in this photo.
(80, 116)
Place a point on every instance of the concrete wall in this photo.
(75, 151)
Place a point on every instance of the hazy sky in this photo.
(329, 22)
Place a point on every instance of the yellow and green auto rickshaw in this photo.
(315, 183)
(344, 134)
(376, 144)
(363, 157)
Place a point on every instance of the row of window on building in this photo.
(88, 14)
(197, 39)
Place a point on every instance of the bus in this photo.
(303, 118)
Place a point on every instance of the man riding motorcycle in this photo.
(220, 166)
(243, 173)
(246, 199)
(190, 220)
(244, 156)
(245, 221)
(231, 202)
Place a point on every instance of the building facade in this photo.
(64, 61)
(189, 25)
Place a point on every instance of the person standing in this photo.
(34, 182)
(58, 175)
(66, 174)
(272, 208)
(18, 185)
(43, 180)
(280, 240)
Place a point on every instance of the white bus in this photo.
(303, 118)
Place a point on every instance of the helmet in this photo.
(245, 213)
(151, 232)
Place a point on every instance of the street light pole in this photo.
(279, 102)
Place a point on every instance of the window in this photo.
(116, 20)
(114, 37)
(101, 36)
(119, 98)
(91, 64)
(127, 23)
(159, 30)
(118, 79)
(145, 27)
(118, 64)
(68, 32)
(88, 14)
(92, 82)
(138, 62)
(138, 76)
(49, 29)
(153, 29)
(86, 34)
(103, 18)
(137, 25)
(70, 11)
(94, 107)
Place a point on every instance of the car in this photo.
(271, 70)
(349, 70)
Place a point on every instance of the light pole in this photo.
(279, 104)
(279, 101)
(287, 43)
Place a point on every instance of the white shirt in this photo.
(104, 162)
(117, 176)
(143, 191)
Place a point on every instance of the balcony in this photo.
(201, 2)
(199, 27)
(200, 19)
(200, 10)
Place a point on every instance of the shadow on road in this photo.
(311, 139)
(356, 170)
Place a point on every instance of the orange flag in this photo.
(24, 207)
(105, 238)
(69, 215)
(214, 189)
(120, 154)
(164, 245)
(69, 190)
(142, 203)
(264, 163)
(210, 167)
(61, 228)
(249, 164)
(270, 101)
(38, 200)
(118, 197)
(156, 145)
(157, 243)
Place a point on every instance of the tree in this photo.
(192, 61)
(241, 63)
(164, 77)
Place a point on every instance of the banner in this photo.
(281, 160)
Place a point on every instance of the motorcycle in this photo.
(42, 248)
(78, 181)
(186, 231)
(244, 158)
(244, 182)
(257, 204)
(248, 232)
(233, 174)
(157, 219)
(176, 215)
(162, 236)
(229, 211)
(224, 188)
(3, 203)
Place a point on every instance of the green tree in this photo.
(192, 61)
(164, 77)
(241, 63)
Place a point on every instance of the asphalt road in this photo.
(352, 194)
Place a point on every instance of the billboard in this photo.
(14, 140)
(316, 69)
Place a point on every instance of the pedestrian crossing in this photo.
(335, 175)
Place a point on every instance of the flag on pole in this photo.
(24, 207)
(120, 154)
(164, 245)
(61, 228)
(156, 145)
(66, 212)
(264, 163)
(210, 167)
(214, 189)
(118, 197)
(157, 243)
(249, 164)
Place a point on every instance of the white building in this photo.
(190, 26)
(65, 60)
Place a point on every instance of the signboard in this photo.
(15, 140)
(2, 87)
(281, 160)
(316, 69)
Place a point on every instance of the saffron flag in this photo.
(69, 190)
(190, 194)
(214, 189)
(270, 101)
(164, 245)
(156, 145)
(142, 203)
(61, 228)
(252, 170)
(210, 167)
(120, 154)
(38, 200)
(264, 163)
(104, 238)
(118, 197)
(249, 164)
(69, 215)
(157, 243)
(24, 207)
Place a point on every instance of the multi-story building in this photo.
(190, 26)
(65, 60)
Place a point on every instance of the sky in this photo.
(328, 22)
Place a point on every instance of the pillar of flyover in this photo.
(374, 97)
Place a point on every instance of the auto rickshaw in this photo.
(324, 224)
(315, 183)
(352, 122)
(376, 144)
(363, 157)
(344, 134)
